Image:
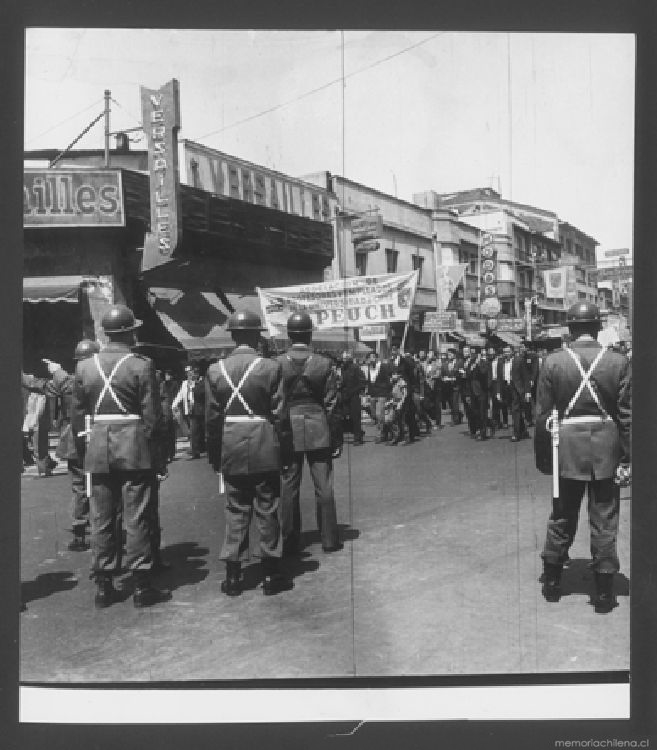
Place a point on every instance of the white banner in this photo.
(344, 303)
(447, 279)
(555, 283)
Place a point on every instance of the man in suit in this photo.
(465, 375)
(520, 393)
(449, 377)
(126, 449)
(480, 384)
(249, 440)
(379, 387)
(311, 392)
(503, 389)
(353, 383)
(532, 365)
(591, 388)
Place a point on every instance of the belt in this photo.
(116, 418)
(585, 418)
(245, 418)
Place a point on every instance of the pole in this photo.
(403, 341)
(107, 126)
(87, 439)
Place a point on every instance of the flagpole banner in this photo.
(447, 279)
(343, 303)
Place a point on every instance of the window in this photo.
(391, 260)
(569, 246)
(361, 264)
(418, 262)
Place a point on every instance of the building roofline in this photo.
(410, 204)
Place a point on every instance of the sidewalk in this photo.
(439, 576)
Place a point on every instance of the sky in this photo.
(548, 119)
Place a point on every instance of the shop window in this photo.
(361, 264)
(391, 260)
(418, 263)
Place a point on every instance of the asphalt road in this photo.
(439, 576)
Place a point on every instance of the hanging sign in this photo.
(439, 322)
(490, 304)
(161, 121)
(344, 303)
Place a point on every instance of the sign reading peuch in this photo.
(344, 303)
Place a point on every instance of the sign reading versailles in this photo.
(343, 303)
(72, 198)
(161, 121)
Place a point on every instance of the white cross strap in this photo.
(236, 390)
(586, 382)
(107, 388)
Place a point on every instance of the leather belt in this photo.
(585, 418)
(117, 418)
(245, 418)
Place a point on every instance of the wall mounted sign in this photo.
(161, 121)
(72, 198)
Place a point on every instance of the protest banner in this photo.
(344, 303)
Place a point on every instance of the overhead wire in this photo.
(65, 120)
(316, 90)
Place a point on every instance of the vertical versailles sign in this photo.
(161, 121)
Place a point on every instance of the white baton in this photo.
(87, 474)
(552, 424)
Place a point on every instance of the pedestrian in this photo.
(184, 401)
(434, 386)
(480, 386)
(197, 415)
(521, 393)
(503, 388)
(168, 392)
(249, 440)
(449, 378)
(591, 388)
(532, 365)
(468, 358)
(398, 397)
(311, 394)
(379, 386)
(422, 393)
(117, 389)
(36, 426)
(353, 384)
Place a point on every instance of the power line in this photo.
(306, 94)
(67, 119)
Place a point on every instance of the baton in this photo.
(87, 437)
(552, 424)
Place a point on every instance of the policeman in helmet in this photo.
(311, 393)
(248, 439)
(60, 384)
(124, 451)
(590, 387)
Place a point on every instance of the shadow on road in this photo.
(578, 578)
(46, 584)
(187, 564)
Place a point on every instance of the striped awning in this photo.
(509, 337)
(52, 288)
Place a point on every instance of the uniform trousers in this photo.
(321, 471)
(603, 510)
(79, 499)
(248, 495)
(170, 438)
(126, 494)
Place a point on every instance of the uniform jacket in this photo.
(311, 391)
(120, 446)
(586, 450)
(247, 447)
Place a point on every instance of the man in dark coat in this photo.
(311, 394)
(449, 378)
(503, 388)
(353, 384)
(521, 393)
(249, 440)
(379, 387)
(591, 389)
(480, 385)
(118, 390)
(468, 358)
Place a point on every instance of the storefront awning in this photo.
(52, 288)
(509, 337)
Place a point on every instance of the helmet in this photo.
(583, 312)
(85, 348)
(299, 322)
(119, 319)
(244, 320)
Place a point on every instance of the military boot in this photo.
(232, 585)
(604, 600)
(551, 582)
(79, 543)
(275, 581)
(145, 594)
(106, 594)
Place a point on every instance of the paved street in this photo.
(438, 576)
